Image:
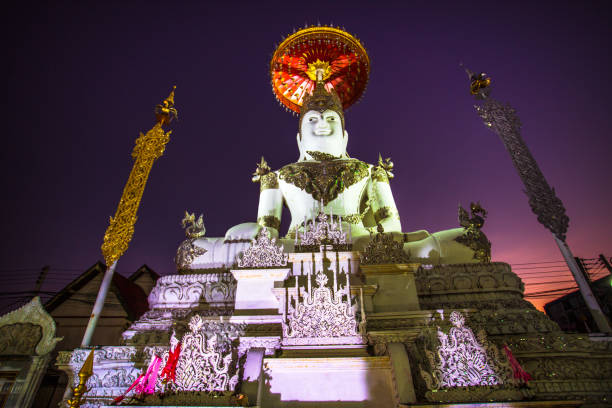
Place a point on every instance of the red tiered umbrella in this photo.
(335, 53)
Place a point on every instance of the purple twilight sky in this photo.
(82, 79)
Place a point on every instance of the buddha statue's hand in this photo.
(246, 232)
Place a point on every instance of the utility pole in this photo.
(148, 148)
(503, 120)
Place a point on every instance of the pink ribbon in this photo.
(517, 370)
(134, 384)
(147, 385)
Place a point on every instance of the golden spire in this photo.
(170, 98)
(147, 149)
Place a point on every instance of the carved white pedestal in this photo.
(254, 287)
(396, 287)
(328, 382)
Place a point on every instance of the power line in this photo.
(548, 283)
(549, 262)
(552, 290)
(543, 272)
(537, 263)
(537, 267)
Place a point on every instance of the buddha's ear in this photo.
(345, 143)
(299, 142)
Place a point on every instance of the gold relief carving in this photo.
(148, 148)
(383, 249)
(353, 218)
(268, 181)
(382, 172)
(357, 218)
(119, 233)
(385, 212)
(265, 176)
(291, 232)
(269, 221)
(325, 180)
(261, 170)
(322, 156)
(322, 66)
(379, 175)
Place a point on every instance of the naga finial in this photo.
(193, 228)
(165, 111)
(478, 216)
(479, 83)
(473, 237)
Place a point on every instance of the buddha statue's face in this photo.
(322, 132)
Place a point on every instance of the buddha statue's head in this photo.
(322, 124)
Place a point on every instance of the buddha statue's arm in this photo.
(381, 199)
(270, 203)
(268, 213)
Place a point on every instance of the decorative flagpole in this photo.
(503, 120)
(119, 233)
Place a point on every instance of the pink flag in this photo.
(517, 370)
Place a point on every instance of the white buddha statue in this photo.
(326, 179)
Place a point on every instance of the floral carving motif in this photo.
(322, 232)
(269, 221)
(321, 315)
(107, 353)
(383, 249)
(461, 360)
(187, 252)
(263, 253)
(461, 366)
(208, 360)
(384, 213)
(326, 179)
(184, 291)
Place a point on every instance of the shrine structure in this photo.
(346, 309)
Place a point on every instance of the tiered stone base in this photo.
(328, 382)
(563, 365)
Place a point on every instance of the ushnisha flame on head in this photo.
(320, 101)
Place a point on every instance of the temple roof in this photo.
(131, 296)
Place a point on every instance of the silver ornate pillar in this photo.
(503, 120)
